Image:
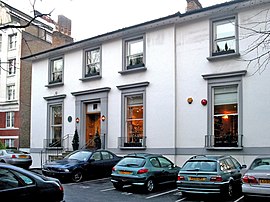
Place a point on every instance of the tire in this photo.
(118, 186)
(228, 191)
(150, 185)
(77, 176)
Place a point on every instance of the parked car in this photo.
(210, 174)
(16, 158)
(145, 170)
(82, 164)
(256, 181)
(18, 184)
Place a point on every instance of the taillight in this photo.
(180, 178)
(113, 168)
(142, 171)
(13, 156)
(216, 179)
(249, 179)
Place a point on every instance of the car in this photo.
(256, 180)
(16, 158)
(210, 174)
(18, 184)
(82, 164)
(144, 170)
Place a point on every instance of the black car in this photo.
(144, 170)
(18, 184)
(82, 164)
(210, 174)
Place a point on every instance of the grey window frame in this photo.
(212, 54)
(86, 76)
(54, 101)
(131, 90)
(125, 47)
(218, 80)
(50, 76)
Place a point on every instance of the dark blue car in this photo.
(82, 164)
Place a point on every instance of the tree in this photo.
(75, 141)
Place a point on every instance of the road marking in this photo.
(239, 199)
(160, 194)
(127, 193)
(109, 189)
(181, 199)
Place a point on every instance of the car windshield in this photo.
(80, 156)
(12, 151)
(260, 164)
(132, 162)
(200, 166)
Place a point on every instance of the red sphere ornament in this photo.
(204, 102)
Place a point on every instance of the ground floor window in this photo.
(10, 119)
(9, 143)
(55, 125)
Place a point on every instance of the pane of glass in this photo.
(95, 56)
(57, 115)
(226, 45)
(225, 95)
(225, 109)
(57, 65)
(225, 29)
(135, 47)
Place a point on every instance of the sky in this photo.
(90, 18)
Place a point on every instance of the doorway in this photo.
(92, 128)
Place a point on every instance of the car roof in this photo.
(142, 155)
(208, 157)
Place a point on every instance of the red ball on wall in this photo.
(204, 102)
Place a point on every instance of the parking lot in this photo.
(103, 190)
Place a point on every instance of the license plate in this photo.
(197, 178)
(264, 181)
(125, 172)
(23, 156)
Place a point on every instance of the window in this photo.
(11, 66)
(12, 41)
(0, 42)
(134, 53)
(11, 92)
(133, 115)
(224, 37)
(55, 125)
(9, 143)
(10, 119)
(92, 62)
(56, 70)
(225, 109)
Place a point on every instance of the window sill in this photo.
(132, 148)
(51, 85)
(224, 148)
(91, 78)
(134, 70)
(223, 56)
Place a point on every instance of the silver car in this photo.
(16, 158)
(256, 181)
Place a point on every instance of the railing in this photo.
(125, 142)
(212, 141)
(55, 148)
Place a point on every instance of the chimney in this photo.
(193, 5)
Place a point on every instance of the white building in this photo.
(177, 85)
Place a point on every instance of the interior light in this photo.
(225, 116)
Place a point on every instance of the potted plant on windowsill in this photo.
(75, 141)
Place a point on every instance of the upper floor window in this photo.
(9, 119)
(11, 66)
(11, 92)
(224, 37)
(12, 41)
(92, 62)
(56, 70)
(134, 52)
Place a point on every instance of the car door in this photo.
(169, 171)
(108, 161)
(94, 167)
(235, 173)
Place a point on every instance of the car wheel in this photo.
(118, 186)
(150, 185)
(228, 191)
(77, 176)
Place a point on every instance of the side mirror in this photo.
(91, 160)
(243, 166)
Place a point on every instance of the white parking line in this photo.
(180, 199)
(239, 199)
(160, 194)
(109, 189)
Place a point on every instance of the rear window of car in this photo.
(260, 164)
(132, 162)
(200, 166)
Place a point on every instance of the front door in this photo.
(92, 128)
